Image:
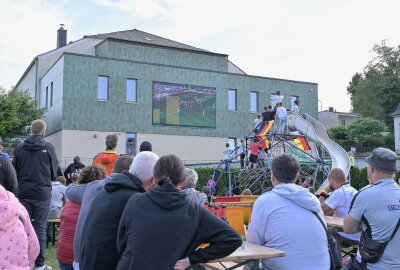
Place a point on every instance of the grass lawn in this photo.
(51, 257)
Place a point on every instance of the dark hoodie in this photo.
(99, 235)
(161, 226)
(8, 176)
(36, 164)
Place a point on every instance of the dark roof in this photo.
(397, 112)
(135, 35)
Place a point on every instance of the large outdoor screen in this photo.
(183, 105)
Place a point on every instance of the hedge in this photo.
(358, 177)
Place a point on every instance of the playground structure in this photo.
(307, 141)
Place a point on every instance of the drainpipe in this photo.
(36, 83)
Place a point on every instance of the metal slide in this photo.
(316, 132)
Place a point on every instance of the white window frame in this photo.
(229, 103)
(127, 89)
(98, 88)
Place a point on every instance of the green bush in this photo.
(376, 141)
(389, 139)
(206, 173)
(358, 178)
(338, 133)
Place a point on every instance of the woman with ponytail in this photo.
(162, 229)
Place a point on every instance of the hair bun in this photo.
(164, 180)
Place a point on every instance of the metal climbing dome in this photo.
(306, 140)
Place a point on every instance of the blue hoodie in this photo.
(282, 219)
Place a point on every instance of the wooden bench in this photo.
(248, 253)
(221, 266)
(53, 222)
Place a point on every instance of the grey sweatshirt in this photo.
(84, 194)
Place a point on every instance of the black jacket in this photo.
(72, 169)
(35, 162)
(8, 176)
(267, 116)
(162, 226)
(99, 235)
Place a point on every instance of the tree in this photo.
(354, 81)
(17, 110)
(364, 128)
(338, 133)
(376, 93)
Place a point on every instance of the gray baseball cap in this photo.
(383, 160)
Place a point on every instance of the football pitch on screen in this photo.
(185, 110)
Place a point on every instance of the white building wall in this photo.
(29, 81)
(329, 119)
(53, 114)
(348, 119)
(82, 46)
(191, 149)
(87, 144)
(47, 60)
(56, 140)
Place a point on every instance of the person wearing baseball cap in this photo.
(376, 208)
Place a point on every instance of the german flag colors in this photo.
(302, 143)
(262, 134)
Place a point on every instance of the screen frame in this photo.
(182, 126)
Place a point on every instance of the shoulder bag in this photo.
(335, 253)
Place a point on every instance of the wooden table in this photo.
(53, 223)
(248, 253)
(335, 222)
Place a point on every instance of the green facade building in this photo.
(110, 83)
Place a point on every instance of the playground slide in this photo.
(315, 131)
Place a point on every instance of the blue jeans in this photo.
(38, 211)
(282, 125)
(64, 266)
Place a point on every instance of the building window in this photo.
(344, 123)
(254, 102)
(232, 143)
(131, 90)
(102, 88)
(131, 144)
(232, 103)
(51, 94)
(47, 97)
(292, 100)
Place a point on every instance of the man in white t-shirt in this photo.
(228, 152)
(338, 203)
(277, 98)
(281, 118)
(282, 218)
(257, 123)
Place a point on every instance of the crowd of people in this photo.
(143, 212)
(276, 112)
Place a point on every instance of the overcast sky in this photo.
(311, 40)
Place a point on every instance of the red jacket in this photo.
(69, 218)
(106, 159)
